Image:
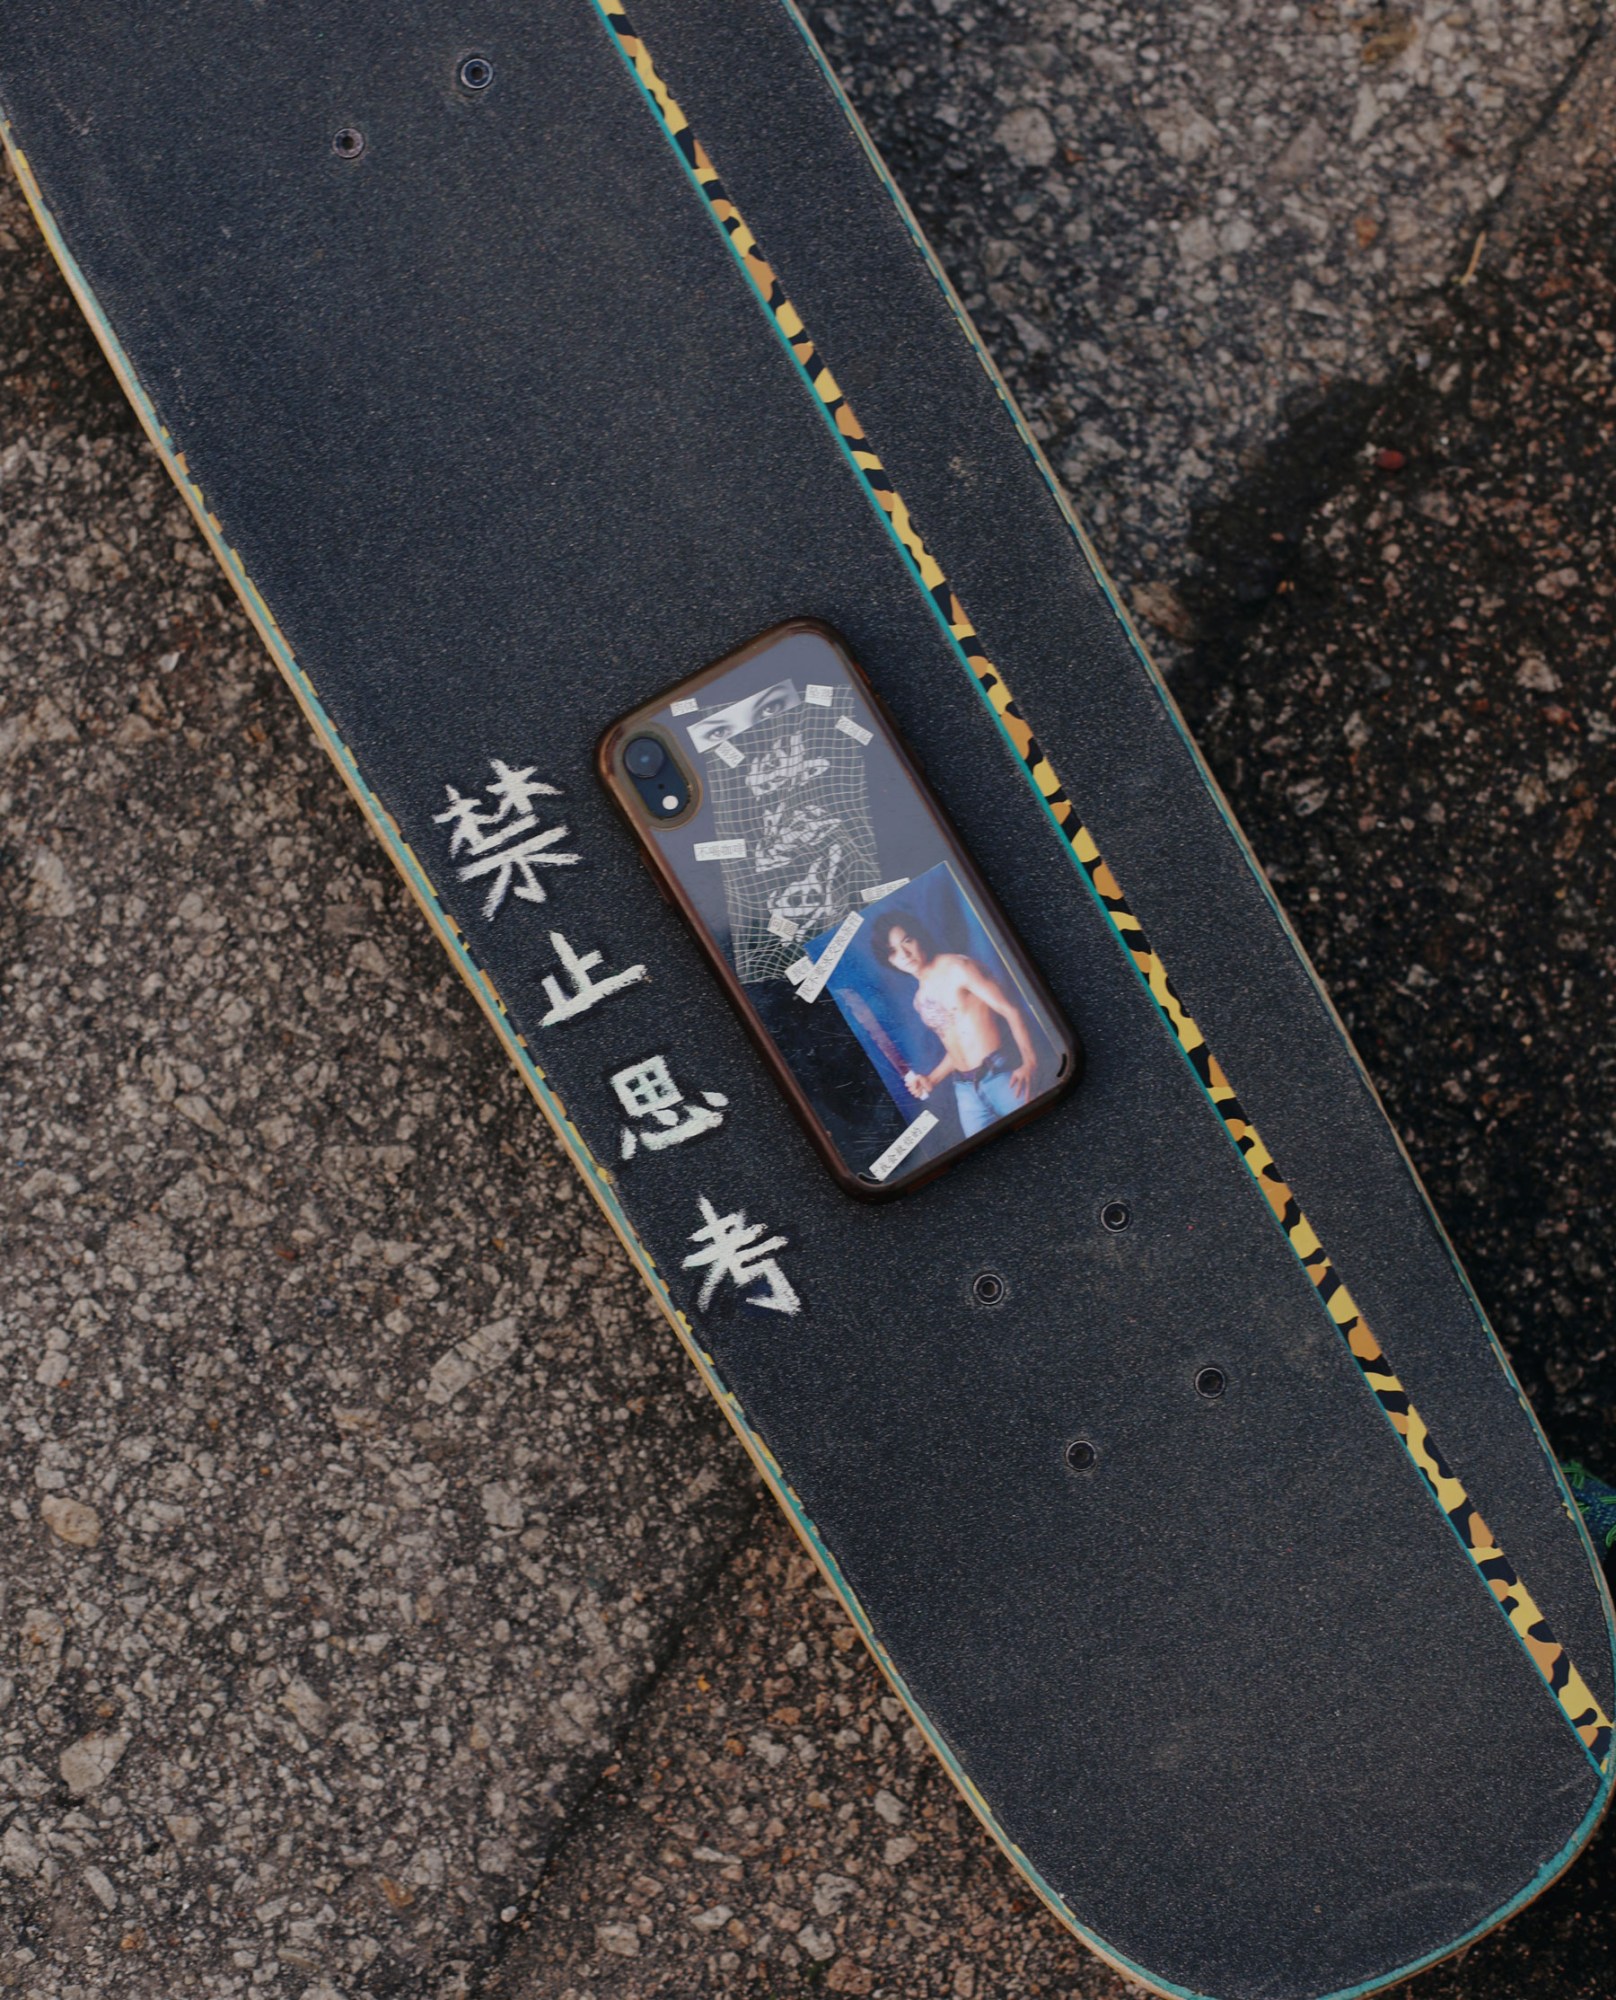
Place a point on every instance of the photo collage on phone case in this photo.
(818, 868)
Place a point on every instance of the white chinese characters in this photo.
(646, 1090)
(505, 842)
(586, 992)
(505, 836)
(730, 1250)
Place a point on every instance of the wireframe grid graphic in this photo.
(799, 798)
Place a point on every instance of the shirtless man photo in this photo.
(969, 1012)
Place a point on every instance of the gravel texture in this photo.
(357, 1499)
(1178, 225)
(1418, 730)
(775, 1825)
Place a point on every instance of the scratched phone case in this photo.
(899, 1012)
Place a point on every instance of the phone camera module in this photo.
(657, 774)
(644, 757)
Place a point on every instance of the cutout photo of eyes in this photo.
(723, 723)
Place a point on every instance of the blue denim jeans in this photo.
(985, 1093)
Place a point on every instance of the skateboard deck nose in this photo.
(504, 407)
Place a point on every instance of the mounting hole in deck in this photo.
(349, 143)
(989, 1289)
(1115, 1216)
(476, 73)
(1080, 1455)
(1211, 1383)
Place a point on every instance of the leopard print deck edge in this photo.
(1582, 1711)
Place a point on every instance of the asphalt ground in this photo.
(385, 1611)
(1186, 225)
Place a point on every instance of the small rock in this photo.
(1159, 604)
(195, 1107)
(831, 1892)
(1182, 132)
(816, 1942)
(1301, 154)
(1027, 136)
(897, 1850)
(101, 1888)
(52, 894)
(88, 1763)
(1197, 242)
(21, 1780)
(713, 1919)
(470, 1359)
(501, 1507)
(308, 1709)
(71, 1520)
(19, 1855)
(621, 1940)
(496, 1857)
(1366, 115)
(1033, 338)
(426, 1871)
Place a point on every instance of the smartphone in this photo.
(781, 813)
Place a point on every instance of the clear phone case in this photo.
(879, 976)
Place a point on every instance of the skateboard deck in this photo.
(1160, 1450)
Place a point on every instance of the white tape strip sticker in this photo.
(686, 707)
(830, 957)
(819, 696)
(798, 970)
(856, 730)
(720, 850)
(783, 928)
(900, 1149)
(729, 753)
(885, 889)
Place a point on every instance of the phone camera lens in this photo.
(644, 757)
